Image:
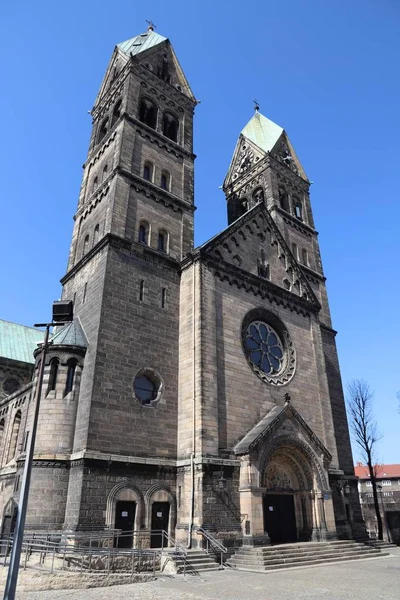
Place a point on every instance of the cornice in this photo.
(154, 192)
(259, 286)
(295, 223)
(121, 458)
(128, 247)
(328, 329)
(155, 137)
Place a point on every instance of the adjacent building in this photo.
(388, 485)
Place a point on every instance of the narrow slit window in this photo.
(70, 375)
(148, 171)
(84, 293)
(305, 257)
(141, 290)
(294, 251)
(162, 243)
(163, 297)
(144, 233)
(104, 175)
(165, 180)
(53, 374)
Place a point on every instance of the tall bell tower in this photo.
(133, 226)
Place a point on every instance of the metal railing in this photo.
(212, 544)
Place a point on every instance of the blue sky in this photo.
(328, 72)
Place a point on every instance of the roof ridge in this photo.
(20, 325)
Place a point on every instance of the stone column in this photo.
(251, 506)
(315, 529)
(322, 518)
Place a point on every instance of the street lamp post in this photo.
(12, 576)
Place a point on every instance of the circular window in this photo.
(264, 348)
(268, 347)
(11, 385)
(147, 386)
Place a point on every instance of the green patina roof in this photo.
(71, 334)
(262, 132)
(141, 42)
(18, 342)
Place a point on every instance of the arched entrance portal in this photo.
(284, 490)
(123, 514)
(288, 482)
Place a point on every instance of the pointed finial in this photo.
(256, 106)
(287, 398)
(151, 26)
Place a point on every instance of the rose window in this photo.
(263, 347)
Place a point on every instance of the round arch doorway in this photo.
(289, 483)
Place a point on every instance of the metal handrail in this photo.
(173, 543)
(212, 539)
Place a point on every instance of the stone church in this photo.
(196, 387)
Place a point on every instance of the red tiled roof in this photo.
(382, 471)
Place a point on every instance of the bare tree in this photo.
(365, 433)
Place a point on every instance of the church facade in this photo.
(196, 387)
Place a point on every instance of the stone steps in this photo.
(195, 561)
(269, 558)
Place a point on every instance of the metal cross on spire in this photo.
(151, 26)
(256, 106)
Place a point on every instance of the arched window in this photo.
(116, 113)
(2, 424)
(53, 374)
(283, 199)
(162, 242)
(148, 112)
(72, 362)
(103, 130)
(305, 257)
(96, 234)
(144, 233)
(148, 170)
(14, 436)
(95, 184)
(170, 126)
(295, 251)
(104, 174)
(298, 209)
(85, 245)
(165, 180)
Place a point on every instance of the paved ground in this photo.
(370, 579)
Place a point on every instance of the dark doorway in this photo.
(9, 523)
(159, 522)
(125, 520)
(279, 518)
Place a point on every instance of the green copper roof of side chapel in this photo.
(262, 132)
(18, 342)
(141, 42)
